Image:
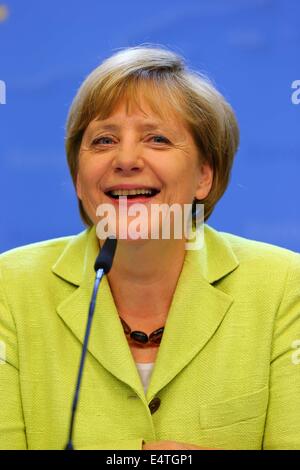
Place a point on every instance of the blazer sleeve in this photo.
(282, 430)
(12, 428)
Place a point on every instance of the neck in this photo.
(144, 277)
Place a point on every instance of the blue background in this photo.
(249, 48)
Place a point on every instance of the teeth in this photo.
(130, 192)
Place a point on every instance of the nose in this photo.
(128, 159)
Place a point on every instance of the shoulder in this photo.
(248, 250)
(34, 252)
(251, 261)
(35, 258)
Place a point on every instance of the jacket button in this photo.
(154, 405)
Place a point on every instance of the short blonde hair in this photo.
(161, 75)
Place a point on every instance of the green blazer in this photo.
(228, 368)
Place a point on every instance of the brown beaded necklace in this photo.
(142, 338)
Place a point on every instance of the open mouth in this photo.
(133, 193)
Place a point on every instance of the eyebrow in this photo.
(148, 126)
(108, 127)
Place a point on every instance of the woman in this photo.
(223, 373)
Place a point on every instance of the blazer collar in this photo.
(215, 260)
(197, 309)
(74, 263)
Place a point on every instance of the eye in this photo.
(104, 140)
(160, 139)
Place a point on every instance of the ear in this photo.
(205, 181)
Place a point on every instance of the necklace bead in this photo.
(139, 337)
(142, 338)
(156, 336)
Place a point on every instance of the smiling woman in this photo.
(182, 107)
(190, 348)
(137, 155)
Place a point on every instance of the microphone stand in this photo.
(102, 266)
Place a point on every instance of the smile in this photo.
(132, 193)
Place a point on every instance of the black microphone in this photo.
(102, 266)
(105, 258)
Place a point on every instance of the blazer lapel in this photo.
(197, 309)
(196, 312)
(107, 342)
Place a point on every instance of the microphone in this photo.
(105, 258)
(102, 266)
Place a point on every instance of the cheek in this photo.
(89, 173)
(171, 169)
(181, 173)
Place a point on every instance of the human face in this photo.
(134, 148)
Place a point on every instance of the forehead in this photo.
(142, 112)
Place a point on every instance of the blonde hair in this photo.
(161, 75)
